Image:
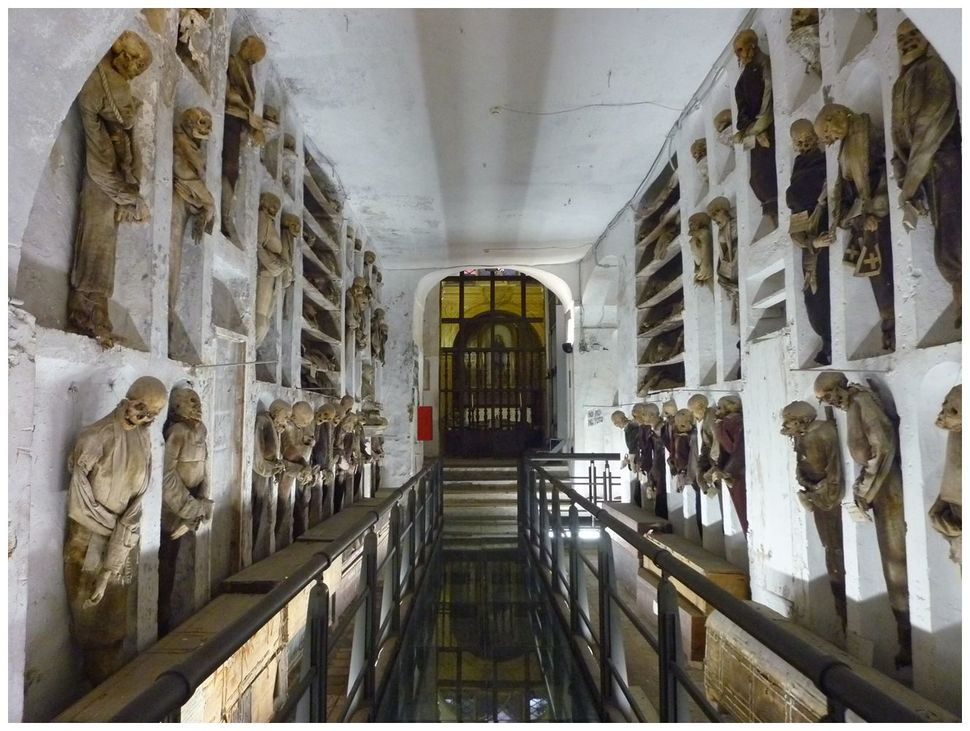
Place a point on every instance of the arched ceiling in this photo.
(413, 107)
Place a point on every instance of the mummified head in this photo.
(196, 122)
(146, 397)
(951, 415)
(796, 417)
(803, 136)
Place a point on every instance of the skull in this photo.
(800, 17)
(196, 123)
(271, 113)
(728, 405)
(130, 55)
(378, 314)
(192, 21)
(698, 222)
(683, 422)
(289, 142)
(697, 405)
(951, 415)
(280, 412)
(269, 203)
(346, 404)
(302, 414)
(252, 49)
(326, 413)
(832, 123)
(803, 137)
(619, 419)
(911, 43)
(369, 258)
(796, 417)
(186, 404)
(650, 415)
(832, 387)
(292, 223)
(722, 121)
(719, 210)
(746, 46)
(146, 397)
(670, 407)
(378, 276)
(698, 149)
(309, 236)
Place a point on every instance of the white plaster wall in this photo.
(76, 382)
(21, 347)
(783, 553)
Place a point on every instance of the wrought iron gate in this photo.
(493, 377)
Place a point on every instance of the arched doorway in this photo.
(492, 375)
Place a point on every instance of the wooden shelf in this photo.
(673, 249)
(308, 254)
(665, 220)
(317, 296)
(320, 232)
(330, 208)
(679, 358)
(663, 294)
(671, 323)
(318, 334)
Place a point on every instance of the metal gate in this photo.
(493, 381)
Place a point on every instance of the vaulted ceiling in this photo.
(455, 133)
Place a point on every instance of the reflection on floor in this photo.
(485, 647)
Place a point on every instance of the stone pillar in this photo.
(21, 345)
(402, 379)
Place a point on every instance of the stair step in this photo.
(501, 485)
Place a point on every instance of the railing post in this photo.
(667, 655)
(556, 537)
(543, 521)
(371, 619)
(412, 540)
(319, 621)
(422, 508)
(608, 481)
(574, 569)
(606, 610)
(533, 505)
(394, 544)
(440, 484)
(591, 482)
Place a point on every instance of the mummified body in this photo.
(185, 506)
(861, 205)
(756, 121)
(946, 515)
(808, 200)
(874, 446)
(926, 136)
(110, 466)
(110, 188)
(819, 473)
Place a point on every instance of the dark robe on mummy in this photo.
(807, 184)
(755, 114)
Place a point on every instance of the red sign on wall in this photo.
(425, 424)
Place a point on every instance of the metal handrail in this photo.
(175, 686)
(841, 685)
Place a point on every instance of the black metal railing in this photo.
(544, 501)
(377, 612)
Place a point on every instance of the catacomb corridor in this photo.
(484, 365)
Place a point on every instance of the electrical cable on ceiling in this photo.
(502, 108)
(715, 72)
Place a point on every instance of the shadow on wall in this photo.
(445, 70)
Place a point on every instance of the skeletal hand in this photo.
(98, 593)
